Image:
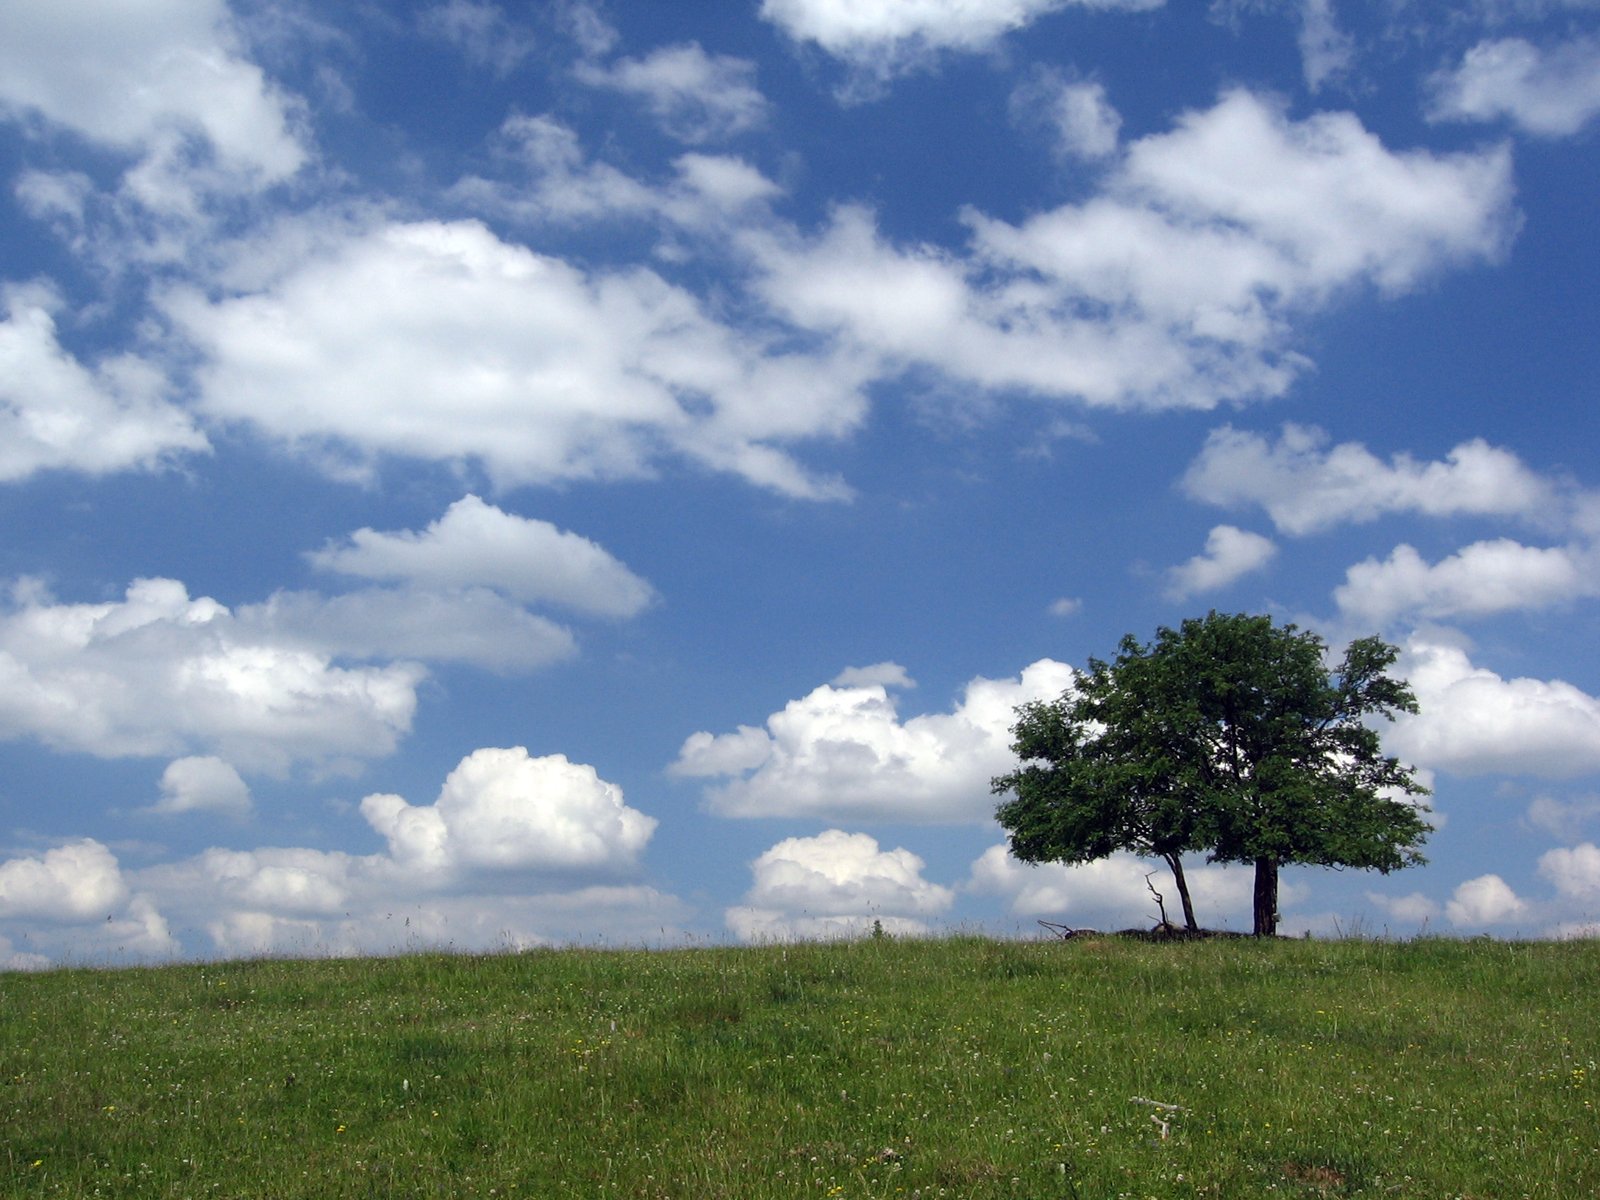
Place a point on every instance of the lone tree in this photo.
(1227, 735)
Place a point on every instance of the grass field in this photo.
(959, 1068)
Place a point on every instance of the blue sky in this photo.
(488, 474)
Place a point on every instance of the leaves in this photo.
(1229, 735)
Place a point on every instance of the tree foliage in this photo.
(1228, 735)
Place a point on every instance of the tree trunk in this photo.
(1266, 897)
(1176, 864)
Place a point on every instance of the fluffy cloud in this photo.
(503, 810)
(1574, 871)
(440, 341)
(1474, 722)
(1173, 288)
(58, 414)
(75, 901)
(477, 544)
(150, 80)
(460, 586)
(79, 881)
(282, 881)
(159, 673)
(1486, 900)
(1548, 92)
(1304, 485)
(835, 884)
(887, 35)
(1112, 892)
(516, 851)
(1229, 555)
(1076, 113)
(202, 784)
(1484, 578)
(696, 97)
(843, 754)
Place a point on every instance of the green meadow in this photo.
(959, 1067)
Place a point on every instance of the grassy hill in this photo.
(959, 1068)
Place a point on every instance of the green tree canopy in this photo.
(1228, 735)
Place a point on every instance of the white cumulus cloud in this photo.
(161, 673)
(1230, 554)
(501, 809)
(1486, 900)
(202, 783)
(1305, 485)
(1574, 871)
(477, 544)
(1176, 286)
(1076, 112)
(440, 341)
(844, 754)
(515, 851)
(889, 35)
(1478, 580)
(79, 881)
(1474, 722)
(835, 884)
(1550, 92)
(56, 413)
(149, 79)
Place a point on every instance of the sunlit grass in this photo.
(959, 1068)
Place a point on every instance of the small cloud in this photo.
(1549, 93)
(1067, 606)
(884, 674)
(1075, 112)
(884, 39)
(1486, 900)
(1574, 871)
(1326, 51)
(1230, 553)
(202, 784)
(836, 885)
(695, 97)
(1305, 486)
(477, 544)
(1563, 819)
